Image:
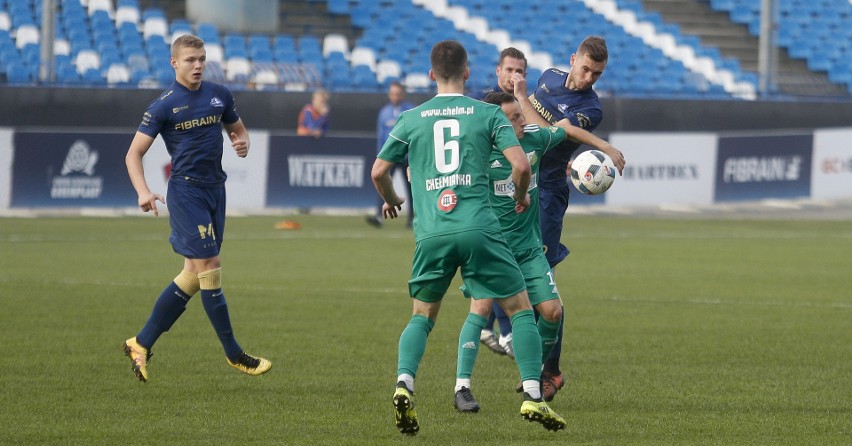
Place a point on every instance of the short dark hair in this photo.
(595, 47)
(514, 53)
(498, 98)
(449, 59)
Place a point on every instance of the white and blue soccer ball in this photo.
(592, 172)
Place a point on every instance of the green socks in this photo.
(469, 344)
(527, 343)
(412, 344)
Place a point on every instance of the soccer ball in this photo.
(592, 172)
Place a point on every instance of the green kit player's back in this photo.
(449, 140)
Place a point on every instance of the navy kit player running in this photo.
(449, 140)
(567, 95)
(189, 115)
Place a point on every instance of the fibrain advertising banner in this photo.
(760, 167)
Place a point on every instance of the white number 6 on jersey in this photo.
(446, 152)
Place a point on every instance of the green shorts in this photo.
(537, 275)
(487, 265)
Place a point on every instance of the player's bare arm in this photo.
(519, 83)
(138, 148)
(239, 137)
(585, 137)
(384, 186)
(521, 172)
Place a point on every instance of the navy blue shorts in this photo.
(197, 218)
(552, 206)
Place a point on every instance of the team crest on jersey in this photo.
(496, 164)
(532, 157)
(216, 102)
(583, 120)
(447, 201)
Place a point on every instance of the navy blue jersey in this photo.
(190, 123)
(554, 101)
(481, 94)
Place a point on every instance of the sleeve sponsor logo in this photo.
(583, 120)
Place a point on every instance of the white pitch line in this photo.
(710, 301)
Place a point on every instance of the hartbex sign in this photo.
(664, 168)
(759, 167)
(307, 172)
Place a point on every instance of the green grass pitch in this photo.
(678, 331)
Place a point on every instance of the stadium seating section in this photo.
(115, 43)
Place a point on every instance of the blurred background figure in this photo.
(315, 119)
(387, 118)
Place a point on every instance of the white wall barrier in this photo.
(6, 155)
(832, 164)
(664, 168)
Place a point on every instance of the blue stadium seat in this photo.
(18, 74)
(92, 77)
(816, 31)
(338, 7)
(207, 32)
(364, 79)
(66, 74)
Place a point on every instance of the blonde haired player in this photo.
(189, 116)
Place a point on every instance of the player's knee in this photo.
(481, 307)
(550, 310)
(201, 265)
(516, 303)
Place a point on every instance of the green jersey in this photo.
(449, 141)
(522, 231)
